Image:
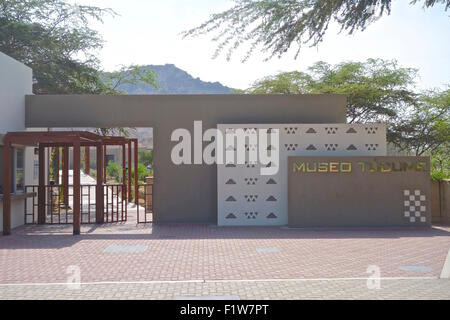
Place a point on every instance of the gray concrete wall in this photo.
(184, 193)
(338, 197)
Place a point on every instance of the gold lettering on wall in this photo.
(299, 168)
(421, 166)
(322, 167)
(311, 168)
(362, 166)
(385, 167)
(334, 167)
(346, 167)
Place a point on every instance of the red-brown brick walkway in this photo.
(126, 252)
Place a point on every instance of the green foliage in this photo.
(294, 82)
(53, 165)
(440, 164)
(436, 135)
(146, 157)
(55, 40)
(113, 170)
(424, 129)
(376, 89)
(276, 25)
(142, 173)
(132, 74)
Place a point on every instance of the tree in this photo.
(55, 40)
(440, 162)
(113, 170)
(278, 24)
(294, 82)
(146, 157)
(376, 90)
(425, 128)
(132, 74)
(142, 173)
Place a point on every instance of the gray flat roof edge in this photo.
(190, 95)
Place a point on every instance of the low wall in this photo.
(17, 213)
(359, 192)
(440, 202)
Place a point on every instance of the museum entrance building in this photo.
(329, 173)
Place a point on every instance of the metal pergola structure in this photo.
(64, 140)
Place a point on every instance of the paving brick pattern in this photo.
(130, 253)
(314, 289)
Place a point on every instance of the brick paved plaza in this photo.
(125, 261)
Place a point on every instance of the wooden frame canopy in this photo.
(66, 139)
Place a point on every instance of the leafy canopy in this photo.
(146, 157)
(425, 128)
(132, 74)
(113, 170)
(276, 25)
(376, 89)
(55, 40)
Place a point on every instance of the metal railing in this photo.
(146, 215)
(115, 205)
(30, 202)
(58, 204)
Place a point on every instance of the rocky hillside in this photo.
(172, 80)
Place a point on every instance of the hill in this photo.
(173, 80)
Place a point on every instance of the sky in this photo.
(148, 32)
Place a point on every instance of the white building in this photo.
(16, 81)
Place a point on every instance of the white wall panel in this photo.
(16, 81)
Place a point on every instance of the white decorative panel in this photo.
(415, 206)
(247, 198)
